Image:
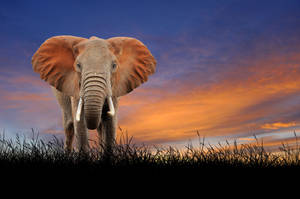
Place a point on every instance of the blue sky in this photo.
(224, 67)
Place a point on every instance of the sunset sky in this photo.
(227, 69)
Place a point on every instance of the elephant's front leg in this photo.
(107, 129)
(80, 129)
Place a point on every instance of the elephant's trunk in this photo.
(94, 95)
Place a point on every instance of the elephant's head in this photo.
(93, 70)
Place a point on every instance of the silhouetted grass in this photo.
(35, 153)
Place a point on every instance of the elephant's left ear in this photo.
(135, 64)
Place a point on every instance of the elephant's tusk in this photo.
(111, 111)
(78, 112)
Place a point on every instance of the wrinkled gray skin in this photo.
(96, 64)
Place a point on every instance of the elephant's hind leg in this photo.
(68, 124)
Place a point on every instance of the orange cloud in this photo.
(287, 143)
(27, 102)
(245, 98)
(278, 125)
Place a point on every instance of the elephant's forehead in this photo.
(96, 54)
(95, 49)
(97, 43)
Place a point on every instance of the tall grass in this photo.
(35, 153)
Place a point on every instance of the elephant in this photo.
(88, 76)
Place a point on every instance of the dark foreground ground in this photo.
(37, 161)
(37, 168)
(36, 154)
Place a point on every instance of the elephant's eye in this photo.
(78, 66)
(114, 66)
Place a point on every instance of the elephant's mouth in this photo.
(108, 109)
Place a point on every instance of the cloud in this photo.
(27, 102)
(283, 143)
(278, 139)
(277, 125)
(252, 93)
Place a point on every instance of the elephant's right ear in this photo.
(54, 62)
